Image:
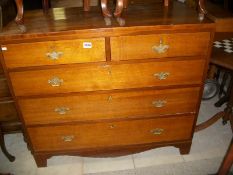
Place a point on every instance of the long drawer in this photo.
(159, 45)
(54, 52)
(109, 105)
(119, 76)
(73, 137)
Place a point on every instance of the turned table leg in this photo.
(120, 5)
(86, 5)
(106, 12)
(202, 9)
(45, 4)
(227, 161)
(3, 147)
(125, 4)
(119, 8)
(19, 18)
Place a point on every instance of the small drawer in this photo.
(54, 52)
(97, 77)
(7, 110)
(4, 89)
(115, 105)
(159, 46)
(107, 134)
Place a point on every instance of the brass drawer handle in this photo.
(157, 131)
(107, 67)
(61, 110)
(159, 103)
(55, 81)
(162, 75)
(54, 55)
(161, 48)
(110, 98)
(68, 138)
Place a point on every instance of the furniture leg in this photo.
(166, 3)
(118, 12)
(105, 10)
(184, 148)
(41, 160)
(202, 9)
(125, 4)
(212, 72)
(86, 5)
(19, 18)
(223, 83)
(217, 75)
(45, 4)
(209, 122)
(226, 96)
(3, 147)
(119, 8)
(228, 111)
(227, 161)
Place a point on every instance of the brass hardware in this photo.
(108, 67)
(161, 48)
(162, 75)
(54, 55)
(112, 126)
(157, 131)
(61, 110)
(68, 138)
(55, 81)
(159, 103)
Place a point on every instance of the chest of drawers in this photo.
(96, 91)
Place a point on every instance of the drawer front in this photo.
(159, 46)
(7, 111)
(93, 77)
(54, 52)
(109, 106)
(71, 137)
(4, 90)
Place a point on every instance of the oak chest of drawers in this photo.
(92, 90)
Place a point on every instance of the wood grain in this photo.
(116, 105)
(141, 46)
(107, 134)
(72, 51)
(107, 77)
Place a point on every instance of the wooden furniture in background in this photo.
(7, 12)
(88, 90)
(223, 60)
(9, 121)
(121, 4)
(45, 3)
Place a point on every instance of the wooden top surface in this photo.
(222, 18)
(76, 22)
